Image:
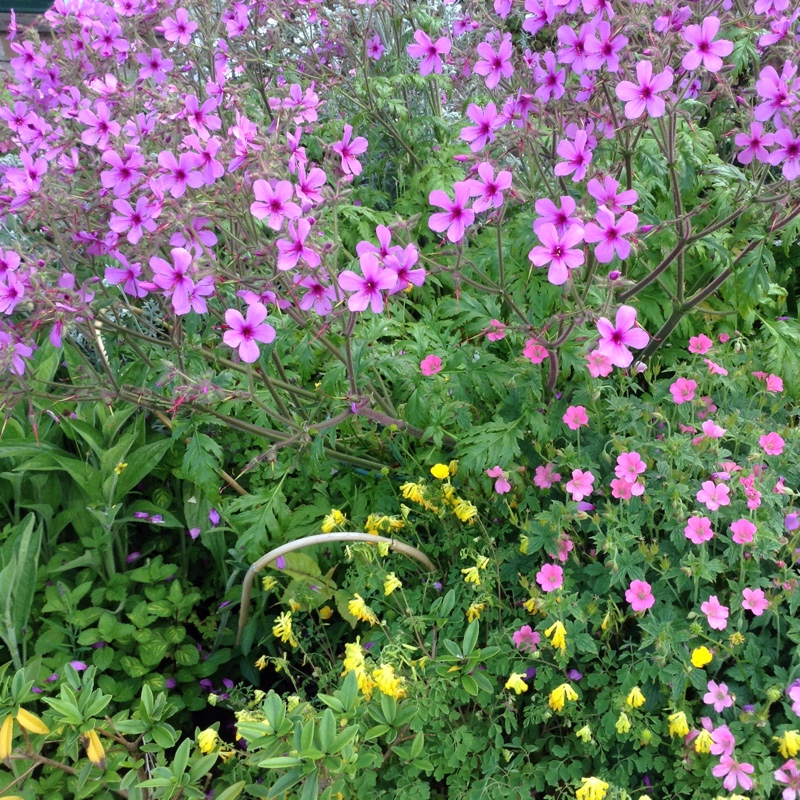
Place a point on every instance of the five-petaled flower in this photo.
(246, 331)
(617, 338)
(644, 96)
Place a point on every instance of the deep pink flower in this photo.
(180, 29)
(607, 194)
(639, 594)
(494, 65)
(774, 384)
(575, 417)
(743, 531)
(716, 613)
(320, 295)
(174, 278)
(559, 252)
(401, 260)
(133, 221)
(99, 125)
(456, 217)
(308, 186)
(430, 365)
(128, 275)
(348, 151)
(700, 345)
(290, 252)
(430, 52)
(581, 484)
(771, 444)
(274, 204)
(375, 48)
(12, 290)
(624, 489)
(608, 234)
(526, 639)
(367, 290)
(154, 66)
(604, 51)
(717, 694)
(559, 216)
(551, 80)
(734, 773)
(630, 466)
(125, 171)
(246, 331)
(486, 122)
(535, 351)
(644, 96)
(698, 530)
(181, 172)
(755, 600)
(550, 577)
(577, 156)
(573, 46)
(616, 339)
(683, 390)
(489, 190)
(755, 144)
(714, 368)
(714, 495)
(544, 476)
(501, 485)
(704, 49)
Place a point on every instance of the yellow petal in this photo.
(6, 733)
(31, 722)
(94, 749)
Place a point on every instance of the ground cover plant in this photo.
(512, 281)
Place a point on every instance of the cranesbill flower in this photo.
(526, 639)
(559, 216)
(550, 577)
(743, 531)
(616, 339)
(716, 613)
(180, 29)
(545, 477)
(401, 260)
(698, 530)
(494, 65)
(348, 151)
(629, 466)
(489, 189)
(246, 331)
(456, 217)
(604, 51)
(573, 46)
(700, 345)
(754, 600)
(534, 352)
(787, 153)
(551, 80)
(755, 144)
(367, 288)
(430, 52)
(501, 485)
(430, 365)
(607, 194)
(133, 221)
(599, 364)
(714, 495)
(772, 444)
(640, 595)
(581, 484)
(644, 96)
(704, 49)
(608, 234)
(577, 155)
(734, 773)
(375, 48)
(174, 278)
(180, 172)
(559, 252)
(487, 121)
(682, 390)
(575, 417)
(290, 252)
(274, 204)
(718, 696)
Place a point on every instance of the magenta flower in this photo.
(755, 144)
(489, 190)
(608, 234)
(714, 495)
(430, 365)
(154, 66)
(771, 444)
(577, 156)
(559, 216)
(99, 126)
(401, 260)
(787, 153)
(581, 484)
(682, 390)
(698, 530)
(755, 600)
(575, 417)
(134, 221)
(274, 204)
(734, 773)
(246, 331)
(616, 339)
(629, 466)
(534, 351)
(717, 694)
(604, 51)
(558, 251)
(456, 216)
(704, 49)
(544, 476)
(180, 29)
(526, 639)
(348, 151)
(430, 52)
(501, 485)
(640, 596)
(700, 345)
(375, 48)
(643, 97)
(573, 46)
(551, 80)
(550, 577)
(290, 252)
(487, 121)
(128, 275)
(607, 194)
(124, 172)
(174, 278)
(181, 172)
(716, 613)
(743, 531)
(367, 288)
(494, 65)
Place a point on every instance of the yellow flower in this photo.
(559, 635)
(678, 726)
(788, 744)
(332, 521)
(207, 740)
(623, 723)
(391, 583)
(294, 605)
(361, 611)
(373, 524)
(474, 611)
(121, 466)
(388, 683)
(481, 562)
(635, 698)
(453, 467)
(31, 722)
(703, 742)
(414, 492)
(532, 605)
(353, 656)
(701, 656)
(524, 541)
(471, 575)
(465, 511)
(592, 789)
(261, 663)
(268, 583)
(94, 749)
(282, 629)
(326, 612)
(584, 734)
(560, 695)
(226, 753)
(516, 683)
(6, 735)
(440, 471)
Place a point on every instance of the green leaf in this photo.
(141, 463)
(232, 792)
(280, 762)
(470, 637)
(470, 685)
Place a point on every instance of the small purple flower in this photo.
(792, 522)
(193, 532)
(574, 675)
(99, 645)
(213, 516)
(133, 557)
(140, 514)
(170, 683)
(78, 666)
(368, 645)
(37, 690)
(530, 673)
(280, 562)
(52, 679)
(157, 519)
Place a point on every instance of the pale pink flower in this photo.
(639, 594)
(772, 444)
(755, 600)
(714, 368)
(616, 339)
(544, 477)
(698, 530)
(713, 431)
(526, 639)
(599, 364)
(575, 417)
(430, 365)
(718, 696)
(550, 577)
(246, 331)
(724, 741)
(790, 775)
(683, 390)
(716, 613)
(535, 352)
(629, 466)
(501, 485)
(497, 331)
(581, 484)
(743, 531)
(700, 345)
(714, 495)
(734, 773)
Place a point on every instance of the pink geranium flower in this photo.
(430, 52)
(489, 189)
(494, 65)
(734, 773)
(624, 489)
(714, 495)
(607, 194)
(716, 613)
(501, 485)
(616, 339)
(544, 476)
(456, 217)
(430, 365)
(246, 331)
(608, 234)
(534, 351)
(575, 417)
(644, 96)
(629, 466)
(274, 204)
(577, 156)
(717, 694)
(743, 531)
(789, 774)
(561, 216)
(367, 290)
(180, 29)
(550, 577)
(700, 345)
(755, 144)
(704, 49)
(348, 151)
(599, 364)
(683, 390)
(560, 252)
(772, 444)
(640, 596)
(487, 121)
(698, 530)
(581, 484)
(526, 639)
(755, 600)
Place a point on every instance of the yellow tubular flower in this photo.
(31, 722)
(678, 725)
(635, 698)
(703, 742)
(584, 734)
(388, 683)
(515, 683)
(353, 657)
(471, 575)
(440, 471)
(94, 749)
(326, 612)
(414, 492)
(282, 629)
(268, 583)
(261, 663)
(373, 523)
(207, 740)
(6, 735)
(623, 723)
(465, 511)
(592, 789)
(788, 744)
(481, 562)
(361, 611)
(701, 656)
(332, 521)
(452, 468)
(557, 634)
(474, 611)
(391, 583)
(560, 695)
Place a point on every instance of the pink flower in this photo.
(551, 80)
(367, 290)
(174, 278)
(772, 444)
(489, 190)
(180, 29)
(629, 466)
(700, 345)
(743, 531)
(608, 234)
(623, 489)
(375, 47)
(430, 365)
(274, 204)
(616, 339)
(640, 596)
(713, 431)
(734, 773)
(577, 155)
(544, 477)
(550, 577)
(683, 390)
(535, 352)
(607, 194)
(718, 696)
(246, 331)
(714, 368)
(581, 484)
(486, 123)
(576, 417)
(526, 639)
(755, 144)
(774, 384)
(290, 252)
(599, 364)
(705, 50)
(560, 216)
(755, 600)
(456, 217)
(181, 172)
(698, 530)
(716, 613)
(348, 151)
(643, 96)
(401, 260)
(430, 52)
(714, 495)
(497, 331)
(559, 252)
(501, 485)
(790, 775)
(494, 65)
(724, 741)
